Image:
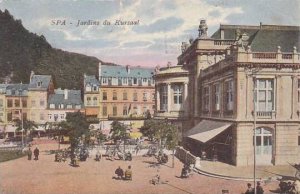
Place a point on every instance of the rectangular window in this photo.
(55, 117)
(9, 103)
(217, 97)
(88, 99)
(145, 81)
(9, 116)
(145, 96)
(17, 103)
(115, 96)
(1, 102)
(125, 110)
(78, 106)
(135, 96)
(95, 101)
(104, 80)
(115, 111)
(264, 95)
(134, 81)
(95, 88)
(177, 89)
(69, 106)
(50, 116)
(206, 98)
(24, 103)
(62, 116)
(42, 103)
(164, 98)
(61, 106)
(52, 106)
(229, 95)
(125, 96)
(124, 81)
(104, 96)
(104, 110)
(298, 140)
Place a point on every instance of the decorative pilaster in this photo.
(185, 101)
(169, 97)
(157, 90)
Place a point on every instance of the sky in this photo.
(162, 24)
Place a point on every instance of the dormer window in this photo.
(52, 106)
(95, 88)
(104, 80)
(61, 106)
(39, 84)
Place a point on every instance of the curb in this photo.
(205, 173)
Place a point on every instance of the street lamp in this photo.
(21, 113)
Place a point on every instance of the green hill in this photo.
(22, 51)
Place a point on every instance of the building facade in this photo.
(126, 92)
(91, 97)
(244, 89)
(62, 102)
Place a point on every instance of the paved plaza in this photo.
(49, 177)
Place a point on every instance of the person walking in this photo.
(29, 154)
(36, 153)
(249, 190)
(259, 189)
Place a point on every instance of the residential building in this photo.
(62, 102)
(91, 97)
(244, 87)
(15, 106)
(39, 89)
(125, 92)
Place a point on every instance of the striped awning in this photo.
(207, 129)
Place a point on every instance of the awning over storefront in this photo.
(207, 129)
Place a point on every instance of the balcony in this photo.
(265, 114)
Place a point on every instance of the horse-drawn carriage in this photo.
(288, 187)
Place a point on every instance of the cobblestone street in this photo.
(49, 177)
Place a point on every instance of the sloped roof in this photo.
(264, 38)
(74, 98)
(13, 89)
(121, 71)
(91, 79)
(43, 79)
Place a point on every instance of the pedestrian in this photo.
(259, 189)
(119, 172)
(29, 154)
(36, 153)
(137, 149)
(249, 190)
(128, 173)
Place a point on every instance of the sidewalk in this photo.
(246, 172)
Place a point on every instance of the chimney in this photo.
(66, 94)
(99, 69)
(31, 75)
(128, 69)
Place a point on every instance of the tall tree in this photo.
(118, 131)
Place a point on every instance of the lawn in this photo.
(6, 155)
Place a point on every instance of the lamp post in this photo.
(21, 114)
(254, 125)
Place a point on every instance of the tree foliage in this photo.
(78, 127)
(118, 131)
(27, 125)
(163, 131)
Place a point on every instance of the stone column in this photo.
(169, 97)
(185, 101)
(157, 97)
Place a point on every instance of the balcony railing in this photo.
(265, 114)
(223, 42)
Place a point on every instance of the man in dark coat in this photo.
(119, 172)
(36, 153)
(29, 154)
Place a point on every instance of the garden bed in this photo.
(6, 155)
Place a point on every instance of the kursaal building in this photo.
(234, 89)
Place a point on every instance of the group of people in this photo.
(36, 153)
(121, 175)
(250, 189)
